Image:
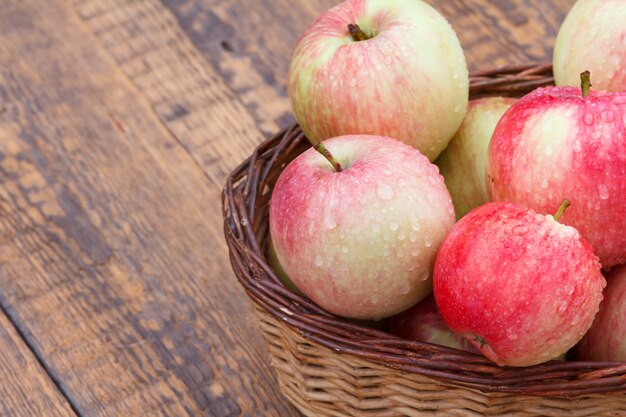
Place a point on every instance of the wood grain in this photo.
(112, 260)
(249, 42)
(26, 389)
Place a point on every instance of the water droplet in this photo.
(428, 243)
(415, 252)
(344, 249)
(596, 135)
(455, 74)
(393, 226)
(603, 191)
(319, 261)
(544, 183)
(384, 191)
(608, 116)
(401, 235)
(353, 82)
(562, 307)
(413, 236)
(329, 221)
(575, 320)
(577, 146)
(387, 172)
(588, 119)
(458, 106)
(415, 225)
(424, 276)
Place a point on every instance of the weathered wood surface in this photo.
(26, 390)
(119, 120)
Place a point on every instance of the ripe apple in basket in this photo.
(358, 233)
(423, 323)
(462, 163)
(561, 142)
(606, 340)
(382, 67)
(593, 37)
(522, 287)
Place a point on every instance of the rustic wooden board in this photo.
(111, 250)
(26, 390)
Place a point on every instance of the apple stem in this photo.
(585, 82)
(356, 32)
(329, 156)
(559, 212)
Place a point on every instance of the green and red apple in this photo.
(359, 236)
(380, 67)
(593, 37)
(462, 163)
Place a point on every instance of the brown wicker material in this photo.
(327, 366)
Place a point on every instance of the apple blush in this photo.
(522, 287)
(564, 142)
(383, 67)
(356, 225)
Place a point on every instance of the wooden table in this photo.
(119, 121)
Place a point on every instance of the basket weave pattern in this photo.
(327, 366)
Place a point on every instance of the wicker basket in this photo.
(327, 366)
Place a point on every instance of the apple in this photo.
(462, 163)
(380, 67)
(358, 235)
(557, 142)
(423, 323)
(606, 340)
(593, 37)
(522, 287)
(272, 261)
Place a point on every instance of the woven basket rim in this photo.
(245, 199)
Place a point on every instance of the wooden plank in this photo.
(26, 389)
(183, 89)
(249, 42)
(112, 259)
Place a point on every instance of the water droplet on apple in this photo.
(319, 261)
(387, 172)
(415, 252)
(603, 191)
(344, 249)
(411, 267)
(458, 107)
(424, 276)
(455, 74)
(428, 243)
(413, 236)
(562, 307)
(588, 119)
(544, 183)
(329, 221)
(393, 226)
(608, 116)
(596, 135)
(575, 320)
(384, 191)
(353, 82)
(401, 235)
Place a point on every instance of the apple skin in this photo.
(526, 284)
(554, 144)
(361, 243)
(409, 81)
(462, 163)
(606, 340)
(423, 323)
(592, 37)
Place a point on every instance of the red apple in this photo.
(593, 37)
(606, 340)
(522, 287)
(383, 67)
(360, 242)
(557, 143)
(423, 323)
(462, 163)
